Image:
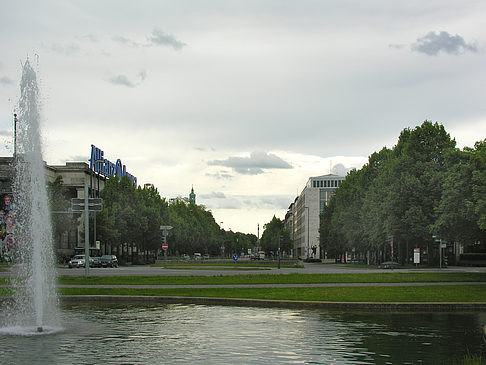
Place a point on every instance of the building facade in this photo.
(304, 214)
(75, 176)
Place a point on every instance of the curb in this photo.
(352, 306)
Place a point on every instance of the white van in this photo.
(197, 256)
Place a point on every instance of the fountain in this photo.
(34, 305)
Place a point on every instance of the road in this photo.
(309, 268)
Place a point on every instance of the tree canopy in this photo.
(403, 196)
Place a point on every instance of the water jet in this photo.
(34, 300)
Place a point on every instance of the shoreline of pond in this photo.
(344, 306)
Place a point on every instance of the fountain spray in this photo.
(35, 299)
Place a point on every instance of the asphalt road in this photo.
(311, 268)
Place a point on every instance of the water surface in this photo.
(95, 333)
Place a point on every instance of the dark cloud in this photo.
(125, 81)
(161, 38)
(222, 175)
(253, 165)
(121, 80)
(213, 195)
(6, 81)
(157, 38)
(217, 200)
(396, 46)
(125, 41)
(434, 43)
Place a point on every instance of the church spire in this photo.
(192, 196)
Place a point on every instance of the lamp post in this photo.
(440, 250)
(15, 135)
(308, 232)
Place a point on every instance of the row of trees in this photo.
(273, 232)
(132, 217)
(399, 200)
(129, 224)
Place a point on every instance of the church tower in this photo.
(192, 196)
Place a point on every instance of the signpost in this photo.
(87, 205)
(416, 256)
(165, 231)
(235, 257)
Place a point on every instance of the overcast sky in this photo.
(246, 99)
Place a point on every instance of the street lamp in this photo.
(440, 250)
(15, 135)
(308, 232)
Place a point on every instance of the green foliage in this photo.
(272, 233)
(133, 216)
(59, 205)
(424, 186)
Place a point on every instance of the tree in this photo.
(62, 222)
(274, 231)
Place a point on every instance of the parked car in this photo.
(185, 257)
(260, 255)
(76, 261)
(389, 265)
(109, 261)
(206, 257)
(96, 261)
(197, 256)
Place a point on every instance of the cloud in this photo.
(222, 175)
(161, 38)
(251, 202)
(125, 41)
(396, 46)
(63, 49)
(253, 165)
(5, 133)
(340, 169)
(213, 195)
(6, 81)
(433, 43)
(125, 81)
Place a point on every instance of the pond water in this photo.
(100, 333)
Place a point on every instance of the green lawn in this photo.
(460, 293)
(392, 277)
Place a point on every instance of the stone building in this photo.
(303, 215)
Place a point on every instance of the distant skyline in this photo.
(244, 100)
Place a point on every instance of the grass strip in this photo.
(393, 277)
(461, 293)
(209, 267)
(223, 265)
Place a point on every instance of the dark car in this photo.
(389, 265)
(96, 262)
(109, 261)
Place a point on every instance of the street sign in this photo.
(94, 204)
(416, 255)
(165, 228)
(165, 246)
(235, 257)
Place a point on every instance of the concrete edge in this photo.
(352, 306)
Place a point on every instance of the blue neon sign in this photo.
(102, 166)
